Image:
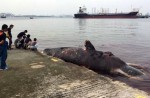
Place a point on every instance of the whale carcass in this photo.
(95, 60)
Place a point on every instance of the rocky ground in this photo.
(32, 75)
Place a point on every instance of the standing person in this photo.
(21, 34)
(10, 36)
(3, 47)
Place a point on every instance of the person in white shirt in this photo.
(33, 44)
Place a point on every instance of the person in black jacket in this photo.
(10, 36)
(21, 34)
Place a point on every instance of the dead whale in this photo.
(95, 60)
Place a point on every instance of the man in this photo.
(10, 36)
(19, 42)
(3, 47)
(21, 34)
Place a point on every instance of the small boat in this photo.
(82, 14)
(143, 16)
(31, 17)
(3, 16)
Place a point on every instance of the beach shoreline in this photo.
(31, 74)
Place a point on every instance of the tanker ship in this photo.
(82, 14)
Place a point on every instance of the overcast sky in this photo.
(69, 7)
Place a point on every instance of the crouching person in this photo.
(33, 45)
(19, 43)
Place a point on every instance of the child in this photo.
(33, 44)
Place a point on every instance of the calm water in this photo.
(128, 39)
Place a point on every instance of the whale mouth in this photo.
(131, 71)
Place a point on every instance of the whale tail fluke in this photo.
(131, 71)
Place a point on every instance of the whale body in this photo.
(95, 60)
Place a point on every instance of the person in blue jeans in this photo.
(3, 47)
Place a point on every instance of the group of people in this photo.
(23, 41)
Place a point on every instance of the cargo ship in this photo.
(82, 14)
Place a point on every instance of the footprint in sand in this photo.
(37, 65)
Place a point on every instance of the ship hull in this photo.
(121, 15)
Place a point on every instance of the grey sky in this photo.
(69, 7)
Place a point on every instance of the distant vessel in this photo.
(142, 16)
(3, 16)
(82, 14)
(31, 17)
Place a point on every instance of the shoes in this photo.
(4, 69)
(10, 48)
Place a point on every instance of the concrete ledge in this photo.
(32, 75)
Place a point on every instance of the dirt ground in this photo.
(32, 75)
